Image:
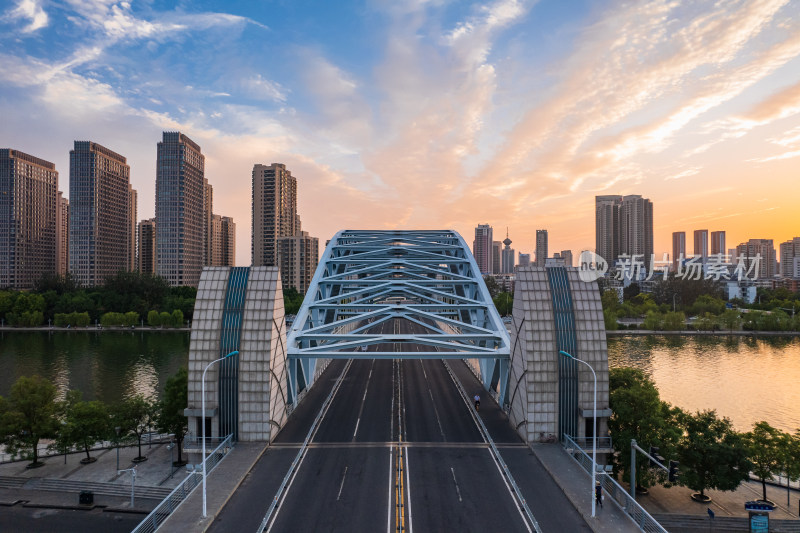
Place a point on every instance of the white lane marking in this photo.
(271, 520)
(433, 402)
(408, 493)
(342, 485)
(363, 400)
(458, 491)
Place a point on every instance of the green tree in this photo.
(292, 300)
(131, 318)
(135, 417)
(170, 417)
(165, 318)
(504, 302)
(610, 319)
(730, 319)
(85, 423)
(638, 413)
(674, 321)
(27, 416)
(177, 318)
(791, 456)
(765, 449)
(712, 454)
(492, 285)
(705, 322)
(153, 318)
(653, 321)
(707, 303)
(610, 299)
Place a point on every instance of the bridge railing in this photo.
(614, 490)
(179, 494)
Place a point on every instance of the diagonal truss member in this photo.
(398, 295)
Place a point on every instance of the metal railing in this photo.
(50, 449)
(179, 494)
(586, 442)
(614, 490)
(192, 442)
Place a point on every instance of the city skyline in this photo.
(433, 115)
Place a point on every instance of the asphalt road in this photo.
(397, 446)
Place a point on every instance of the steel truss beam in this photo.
(427, 280)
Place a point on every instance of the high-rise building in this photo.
(701, 243)
(100, 213)
(214, 254)
(623, 226)
(62, 235)
(496, 254)
(524, 259)
(718, 243)
(508, 256)
(28, 196)
(482, 248)
(678, 248)
(790, 250)
(228, 237)
(636, 227)
(607, 227)
(208, 200)
(566, 255)
(274, 211)
(761, 251)
(298, 258)
(146, 250)
(180, 223)
(132, 221)
(541, 247)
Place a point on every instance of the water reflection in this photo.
(107, 366)
(746, 379)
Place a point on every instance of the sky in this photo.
(430, 113)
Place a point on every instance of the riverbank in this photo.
(693, 333)
(97, 329)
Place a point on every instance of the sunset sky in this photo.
(431, 114)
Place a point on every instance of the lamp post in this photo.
(594, 430)
(133, 480)
(117, 430)
(203, 396)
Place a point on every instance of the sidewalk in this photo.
(576, 484)
(221, 483)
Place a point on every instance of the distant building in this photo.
(790, 250)
(482, 248)
(701, 243)
(133, 200)
(496, 249)
(146, 250)
(274, 211)
(678, 248)
(718, 243)
(508, 256)
(623, 225)
(555, 261)
(749, 252)
(298, 258)
(102, 209)
(181, 223)
(541, 247)
(208, 205)
(566, 255)
(228, 236)
(28, 201)
(524, 259)
(62, 235)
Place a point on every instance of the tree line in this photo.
(31, 413)
(711, 453)
(121, 298)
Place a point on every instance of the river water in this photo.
(744, 379)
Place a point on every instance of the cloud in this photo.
(32, 11)
(263, 89)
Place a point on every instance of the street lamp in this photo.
(117, 430)
(203, 396)
(133, 480)
(594, 430)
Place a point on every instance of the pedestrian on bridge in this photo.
(477, 399)
(598, 494)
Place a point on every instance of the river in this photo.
(742, 378)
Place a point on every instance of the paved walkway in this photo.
(221, 483)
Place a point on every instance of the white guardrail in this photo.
(179, 494)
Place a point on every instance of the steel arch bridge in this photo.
(427, 280)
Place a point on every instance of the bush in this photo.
(112, 319)
(153, 318)
(653, 321)
(165, 318)
(674, 321)
(130, 318)
(177, 318)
